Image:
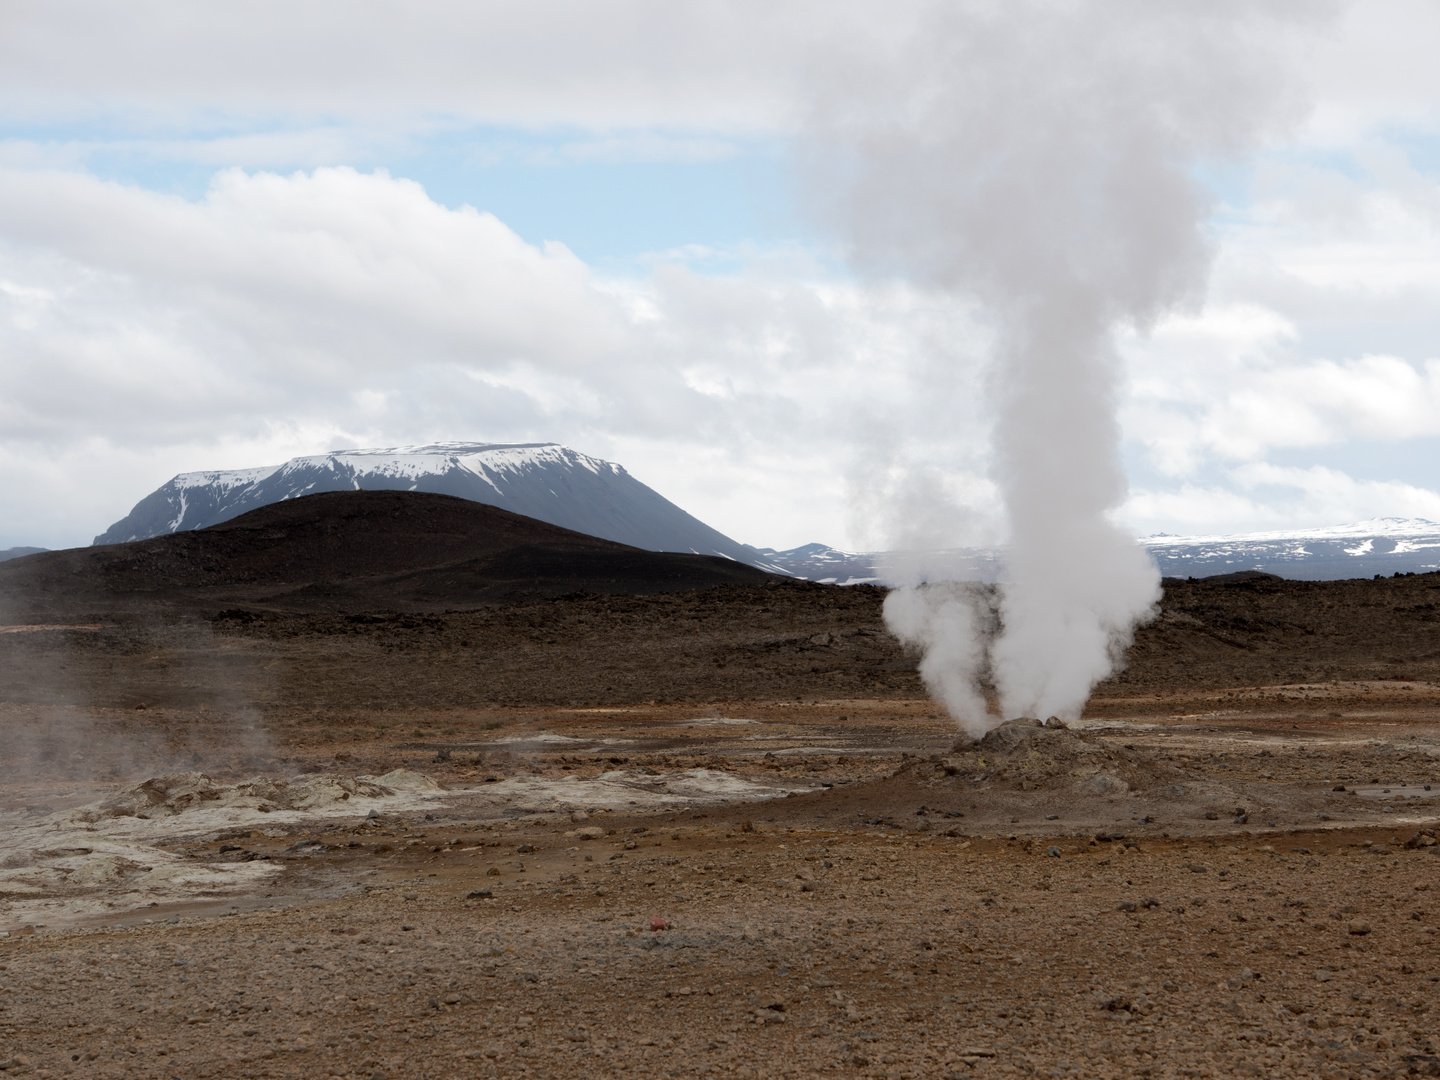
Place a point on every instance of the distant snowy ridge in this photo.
(1400, 528)
(1361, 549)
(819, 562)
(541, 480)
(833, 566)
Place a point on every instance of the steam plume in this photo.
(1039, 159)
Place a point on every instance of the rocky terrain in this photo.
(768, 891)
(711, 832)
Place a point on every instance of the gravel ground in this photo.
(786, 952)
(839, 932)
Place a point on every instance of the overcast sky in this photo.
(232, 234)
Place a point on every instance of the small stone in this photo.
(524, 849)
(1052, 852)
(412, 896)
(452, 999)
(1359, 928)
(657, 923)
(578, 816)
(1126, 905)
(1211, 815)
(373, 814)
(479, 894)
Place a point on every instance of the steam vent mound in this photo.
(1034, 755)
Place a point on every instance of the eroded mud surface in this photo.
(838, 897)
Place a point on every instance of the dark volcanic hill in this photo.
(350, 551)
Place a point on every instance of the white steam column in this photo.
(1040, 159)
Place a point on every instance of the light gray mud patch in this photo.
(126, 852)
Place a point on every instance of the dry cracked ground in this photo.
(1220, 878)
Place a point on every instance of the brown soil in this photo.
(1223, 870)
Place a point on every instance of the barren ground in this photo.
(1223, 871)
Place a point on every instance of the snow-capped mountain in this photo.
(541, 480)
(819, 562)
(1362, 549)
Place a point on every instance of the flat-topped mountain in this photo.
(545, 481)
(352, 551)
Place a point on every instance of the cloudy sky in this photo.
(231, 234)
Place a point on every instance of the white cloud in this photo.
(1322, 261)
(287, 314)
(142, 333)
(737, 66)
(1376, 69)
(1262, 496)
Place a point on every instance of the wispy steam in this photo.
(1041, 158)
